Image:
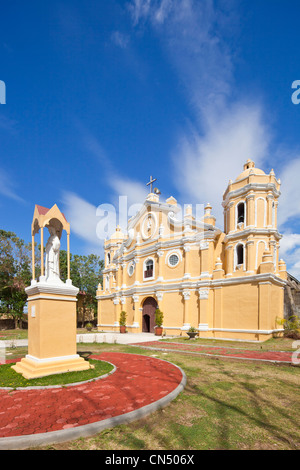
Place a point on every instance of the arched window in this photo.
(148, 268)
(241, 213)
(108, 259)
(239, 254)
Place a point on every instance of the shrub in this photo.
(291, 327)
(192, 329)
(89, 326)
(159, 317)
(122, 320)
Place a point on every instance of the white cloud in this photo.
(191, 33)
(139, 9)
(134, 191)
(93, 224)
(120, 39)
(227, 129)
(290, 252)
(82, 217)
(289, 241)
(289, 206)
(206, 162)
(7, 187)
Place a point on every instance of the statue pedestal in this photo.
(51, 331)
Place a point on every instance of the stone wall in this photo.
(292, 297)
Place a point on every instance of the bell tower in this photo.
(250, 222)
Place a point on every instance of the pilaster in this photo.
(186, 313)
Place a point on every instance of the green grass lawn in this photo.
(226, 404)
(10, 378)
(23, 334)
(273, 344)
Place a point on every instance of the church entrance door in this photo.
(149, 308)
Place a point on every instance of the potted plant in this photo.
(122, 321)
(89, 326)
(159, 317)
(192, 333)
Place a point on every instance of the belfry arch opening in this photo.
(240, 254)
(241, 213)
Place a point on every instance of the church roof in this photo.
(118, 234)
(249, 168)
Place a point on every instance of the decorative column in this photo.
(272, 244)
(139, 270)
(187, 250)
(159, 297)
(277, 257)
(218, 307)
(250, 257)
(136, 312)
(123, 302)
(123, 286)
(68, 255)
(250, 210)
(203, 309)
(231, 217)
(159, 263)
(270, 200)
(117, 276)
(186, 314)
(275, 213)
(117, 311)
(206, 259)
(229, 261)
(99, 305)
(33, 258)
(42, 251)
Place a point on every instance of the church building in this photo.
(227, 284)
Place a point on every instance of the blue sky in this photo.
(102, 94)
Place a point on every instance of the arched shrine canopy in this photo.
(44, 217)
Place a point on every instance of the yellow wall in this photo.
(250, 299)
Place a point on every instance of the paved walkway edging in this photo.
(47, 438)
(286, 357)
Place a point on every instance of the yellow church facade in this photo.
(227, 284)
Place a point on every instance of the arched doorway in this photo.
(149, 308)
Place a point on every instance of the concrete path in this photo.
(118, 338)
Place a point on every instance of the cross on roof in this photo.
(151, 183)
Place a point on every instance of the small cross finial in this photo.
(151, 183)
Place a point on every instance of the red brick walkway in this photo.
(137, 381)
(274, 356)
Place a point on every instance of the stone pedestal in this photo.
(51, 331)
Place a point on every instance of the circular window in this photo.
(173, 260)
(131, 269)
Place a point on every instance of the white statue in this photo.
(52, 256)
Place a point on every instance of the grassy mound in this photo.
(10, 378)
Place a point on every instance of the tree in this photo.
(15, 274)
(86, 273)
